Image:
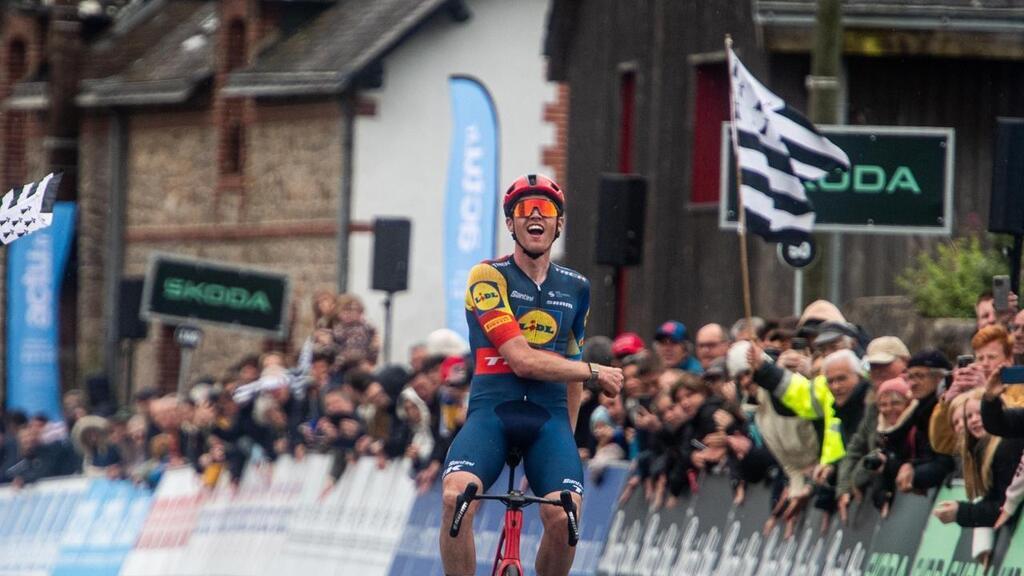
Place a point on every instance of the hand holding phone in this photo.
(1001, 293)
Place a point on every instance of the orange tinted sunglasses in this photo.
(524, 208)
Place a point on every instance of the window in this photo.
(234, 142)
(236, 46)
(17, 61)
(711, 108)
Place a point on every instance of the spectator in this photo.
(984, 311)
(626, 344)
(325, 310)
(413, 437)
(607, 450)
(834, 336)
(740, 330)
(992, 349)
(926, 371)
(355, 338)
(35, 460)
(989, 466)
(842, 373)
(894, 444)
(887, 358)
(91, 440)
(712, 343)
(1016, 329)
(596, 349)
(672, 344)
(417, 354)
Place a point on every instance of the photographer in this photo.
(894, 444)
(992, 348)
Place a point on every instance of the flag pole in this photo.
(742, 217)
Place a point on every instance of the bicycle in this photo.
(506, 562)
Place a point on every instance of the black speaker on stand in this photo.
(1006, 207)
(390, 265)
(130, 327)
(622, 204)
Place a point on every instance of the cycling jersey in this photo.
(506, 411)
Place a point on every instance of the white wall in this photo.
(401, 154)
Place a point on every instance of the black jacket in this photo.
(1004, 464)
(1000, 420)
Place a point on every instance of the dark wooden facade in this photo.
(690, 271)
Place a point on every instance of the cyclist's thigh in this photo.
(552, 463)
(478, 448)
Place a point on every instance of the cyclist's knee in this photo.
(454, 485)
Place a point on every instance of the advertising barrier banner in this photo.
(103, 529)
(32, 524)
(419, 556)
(704, 534)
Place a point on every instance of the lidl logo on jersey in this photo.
(485, 296)
(538, 326)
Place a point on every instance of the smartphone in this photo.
(964, 360)
(798, 344)
(1012, 375)
(1001, 293)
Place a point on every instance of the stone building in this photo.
(231, 130)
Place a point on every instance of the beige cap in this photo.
(821, 310)
(885, 349)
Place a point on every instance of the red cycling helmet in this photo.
(533, 184)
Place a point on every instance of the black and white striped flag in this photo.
(778, 150)
(28, 208)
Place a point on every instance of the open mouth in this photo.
(535, 230)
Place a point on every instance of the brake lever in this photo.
(461, 507)
(570, 512)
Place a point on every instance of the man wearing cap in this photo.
(887, 358)
(925, 372)
(834, 336)
(671, 344)
(626, 344)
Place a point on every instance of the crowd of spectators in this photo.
(812, 405)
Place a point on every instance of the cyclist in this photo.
(526, 325)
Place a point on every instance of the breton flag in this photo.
(778, 149)
(28, 208)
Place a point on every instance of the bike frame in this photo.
(510, 542)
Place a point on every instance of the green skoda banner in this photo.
(900, 182)
(184, 290)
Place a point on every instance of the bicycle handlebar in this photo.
(564, 501)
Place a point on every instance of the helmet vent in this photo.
(532, 179)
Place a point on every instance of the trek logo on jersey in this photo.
(485, 296)
(538, 326)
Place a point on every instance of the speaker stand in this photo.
(1015, 256)
(387, 327)
(620, 300)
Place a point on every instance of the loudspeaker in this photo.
(620, 223)
(129, 325)
(391, 254)
(1006, 210)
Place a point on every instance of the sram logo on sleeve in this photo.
(485, 296)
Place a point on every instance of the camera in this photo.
(874, 460)
(964, 360)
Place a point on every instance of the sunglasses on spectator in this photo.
(524, 208)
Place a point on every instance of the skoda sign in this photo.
(900, 182)
(184, 290)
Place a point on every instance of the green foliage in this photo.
(947, 284)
